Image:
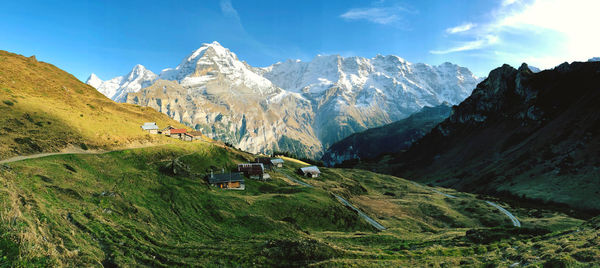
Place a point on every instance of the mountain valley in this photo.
(387, 139)
(110, 208)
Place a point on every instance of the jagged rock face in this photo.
(297, 106)
(251, 122)
(532, 135)
(390, 138)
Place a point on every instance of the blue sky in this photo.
(109, 37)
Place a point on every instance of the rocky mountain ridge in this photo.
(117, 88)
(294, 105)
(523, 134)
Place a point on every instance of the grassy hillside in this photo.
(44, 109)
(81, 210)
(129, 207)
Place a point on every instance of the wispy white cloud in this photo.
(240, 33)
(372, 14)
(461, 28)
(565, 30)
(469, 45)
(509, 2)
(228, 10)
(385, 15)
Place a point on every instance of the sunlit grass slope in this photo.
(127, 208)
(124, 208)
(43, 109)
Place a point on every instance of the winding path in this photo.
(360, 213)
(345, 202)
(512, 217)
(70, 150)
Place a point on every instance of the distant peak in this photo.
(139, 67)
(396, 58)
(93, 76)
(137, 71)
(215, 48)
(392, 58)
(94, 81)
(524, 67)
(214, 43)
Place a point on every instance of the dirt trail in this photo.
(512, 217)
(70, 150)
(360, 213)
(345, 202)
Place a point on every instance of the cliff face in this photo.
(251, 122)
(533, 135)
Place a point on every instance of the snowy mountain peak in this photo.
(594, 59)
(212, 50)
(118, 87)
(138, 68)
(94, 80)
(318, 101)
(212, 61)
(139, 71)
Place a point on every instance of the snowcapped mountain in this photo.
(357, 93)
(117, 88)
(211, 61)
(293, 105)
(382, 74)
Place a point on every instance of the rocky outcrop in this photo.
(525, 134)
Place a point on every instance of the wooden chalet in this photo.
(269, 162)
(166, 131)
(177, 133)
(233, 181)
(311, 171)
(277, 162)
(151, 127)
(254, 170)
(192, 136)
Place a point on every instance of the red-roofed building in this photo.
(177, 132)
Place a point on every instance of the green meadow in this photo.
(127, 208)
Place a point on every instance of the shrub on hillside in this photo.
(486, 236)
(295, 252)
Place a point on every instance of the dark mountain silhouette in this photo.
(531, 135)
